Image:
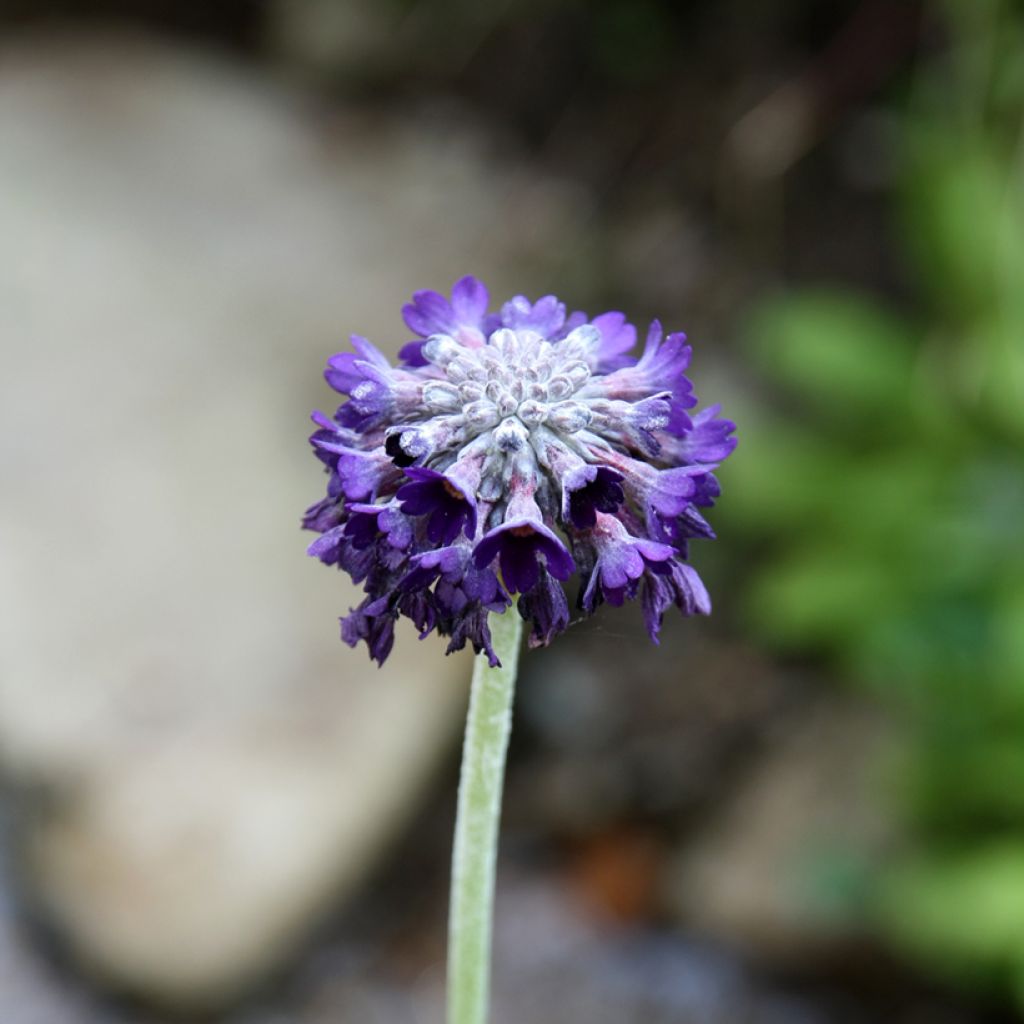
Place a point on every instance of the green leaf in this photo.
(843, 354)
(965, 220)
(961, 912)
(822, 598)
(999, 354)
(1008, 640)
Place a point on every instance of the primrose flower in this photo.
(508, 451)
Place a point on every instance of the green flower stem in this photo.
(476, 826)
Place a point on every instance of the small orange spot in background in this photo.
(618, 873)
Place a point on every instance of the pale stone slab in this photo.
(181, 247)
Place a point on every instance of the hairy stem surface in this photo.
(476, 827)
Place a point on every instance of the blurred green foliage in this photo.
(887, 497)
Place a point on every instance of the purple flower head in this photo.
(512, 446)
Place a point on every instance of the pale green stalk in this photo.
(476, 827)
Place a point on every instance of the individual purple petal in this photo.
(636, 425)
(546, 316)
(622, 560)
(469, 301)
(572, 321)
(395, 527)
(708, 440)
(450, 509)
(324, 515)
(419, 607)
(429, 313)
(377, 392)
(356, 474)
(361, 528)
(671, 491)
(412, 355)
(691, 596)
(517, 545)
(484, 587)
(343, 370)
(678, 530)
(546, 609)
(668, 361)
(426, 567)
(363, 474)
(374, 622)
(472, 626)
(464, 318)
(590, 489)
(681, 587)
(661, 369)
(327, 547)
(618, 336)
(335, 548)
(368, 522)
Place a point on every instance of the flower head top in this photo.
(508, 451)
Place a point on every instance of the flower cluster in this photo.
(508, 451)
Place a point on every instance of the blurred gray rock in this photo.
(183, 245)
(33, 991)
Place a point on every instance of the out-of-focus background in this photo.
(807, 809)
